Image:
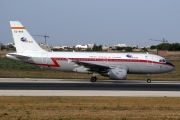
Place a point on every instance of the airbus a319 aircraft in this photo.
(116, 66)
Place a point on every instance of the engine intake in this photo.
(117, 74)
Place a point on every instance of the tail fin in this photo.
(23, 40)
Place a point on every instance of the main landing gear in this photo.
(148, 78)
(93, 79)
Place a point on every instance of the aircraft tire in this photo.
(93, 79)
(148, 80)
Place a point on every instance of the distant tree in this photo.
(97, 48)
(174, 47)
(94, 47)
(128, 49)
(163, 46)
(145, 49)
(12, 48)
(134, 47)
(153, 47)
(100, 48)
(120, 48)
(169, 47)
(54, 49)
(60, 49)
(88, 49)
(3, 47)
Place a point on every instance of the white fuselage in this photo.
(64, 61)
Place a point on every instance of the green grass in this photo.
(8, 64)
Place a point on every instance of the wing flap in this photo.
(93, 67)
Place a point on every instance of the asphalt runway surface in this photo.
(100, 88)
(68, 84)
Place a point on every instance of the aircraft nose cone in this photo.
(172, 67)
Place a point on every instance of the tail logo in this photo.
(23, 39)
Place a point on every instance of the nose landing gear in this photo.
(148, 78)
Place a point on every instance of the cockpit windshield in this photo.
(163, 60)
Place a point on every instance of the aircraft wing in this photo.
(94, 67)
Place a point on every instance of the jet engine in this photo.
(116, 73)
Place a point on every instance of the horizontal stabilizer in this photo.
(17, 56)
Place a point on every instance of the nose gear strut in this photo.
(148, 78)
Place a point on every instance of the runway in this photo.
(75, 87)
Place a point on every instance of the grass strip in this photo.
(89, 108)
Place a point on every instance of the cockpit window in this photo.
(163, 60)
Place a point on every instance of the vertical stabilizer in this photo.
(23, 40)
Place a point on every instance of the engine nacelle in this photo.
(117, 74)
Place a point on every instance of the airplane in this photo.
(116, 66)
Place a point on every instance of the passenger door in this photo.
(149, 60)
(44, 58)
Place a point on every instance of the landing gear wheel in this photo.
(93, 79)
(148, 80)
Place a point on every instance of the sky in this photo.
(104, 22)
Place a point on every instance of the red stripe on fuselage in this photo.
(55, 63)
(48, 65)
